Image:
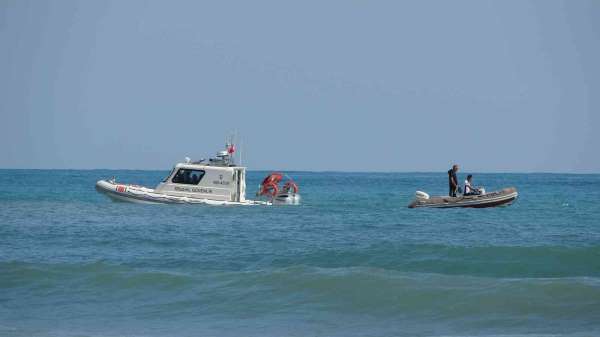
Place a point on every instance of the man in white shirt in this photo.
(469, 189)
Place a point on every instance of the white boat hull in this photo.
(287, 199)
(143, 195)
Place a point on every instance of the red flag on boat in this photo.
(231, 149)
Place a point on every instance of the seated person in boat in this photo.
(469, 189)
(179, 177)
(453, 180)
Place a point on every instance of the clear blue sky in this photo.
(309, 85)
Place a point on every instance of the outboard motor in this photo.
(420, 195)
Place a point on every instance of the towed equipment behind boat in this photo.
(269, 188)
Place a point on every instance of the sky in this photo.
(495, 86)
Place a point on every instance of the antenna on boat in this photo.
(241, 153)
(230, 145)
(234, 141)
(237, 143)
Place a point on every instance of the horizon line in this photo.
(308, 171)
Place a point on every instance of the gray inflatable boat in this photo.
(492, 199)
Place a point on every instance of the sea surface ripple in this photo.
(352, 260)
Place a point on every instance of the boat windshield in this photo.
(170, 174)
(188, 176)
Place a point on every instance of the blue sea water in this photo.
(352, 260)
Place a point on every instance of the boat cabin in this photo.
(215, 179)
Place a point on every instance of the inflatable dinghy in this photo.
(492, 199)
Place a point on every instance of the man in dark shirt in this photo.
(452, 180)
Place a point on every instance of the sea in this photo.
(351, 260)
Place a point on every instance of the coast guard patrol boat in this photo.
(218, 181)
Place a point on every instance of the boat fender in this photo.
(421, 195)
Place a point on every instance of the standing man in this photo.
(452, 180)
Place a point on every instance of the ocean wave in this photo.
(99, 274)
(488, 261)
(343, 289)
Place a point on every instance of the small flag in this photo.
(231, 149)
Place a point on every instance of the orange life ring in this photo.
(290, 185)
(270, 188)
(274, 177)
